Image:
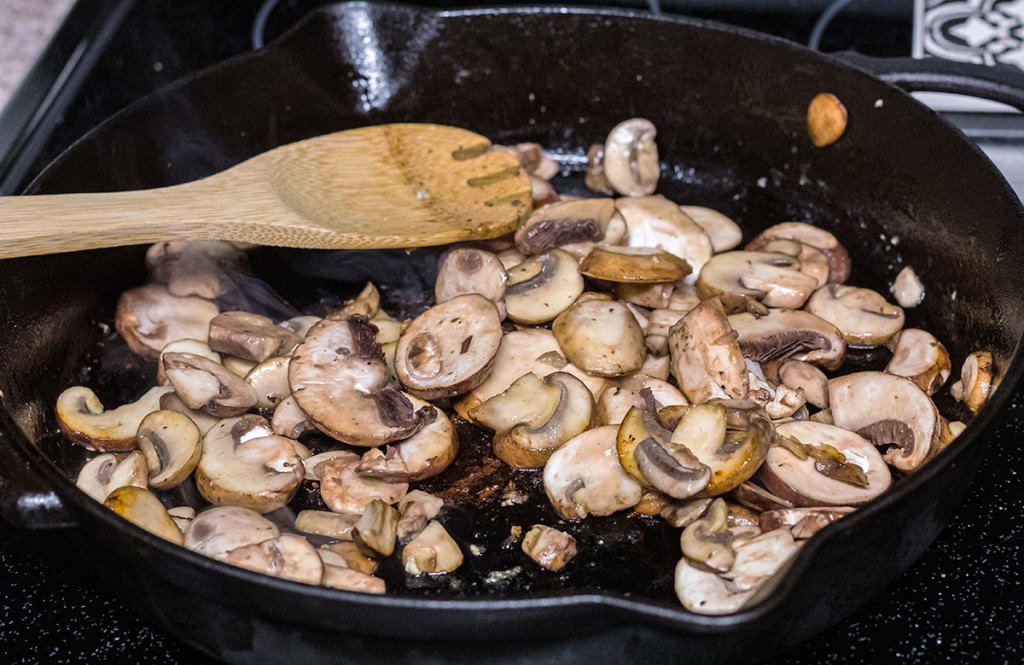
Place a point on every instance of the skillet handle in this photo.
(998, 83)
(25, 500)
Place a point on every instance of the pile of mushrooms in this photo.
(626, 348)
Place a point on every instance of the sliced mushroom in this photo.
(344, 490)
(105, 473)
(661, 322)
(646, 452)
(631, 157)
(238, 366)
(469, 270)
(377, 527)
(326, 523)
(976, 380)
(813, 482)
(149, 317)
(706, 358)
(314, 464)
(651, 296)
(204, 421)
(708, 541)
(182, 516)
(617, 400)
(172, 446)
(778, 401)
(245, 464)
(250, 336)
(757, 498)
(269, 379)
(813, 262)
(887, 410)
(353, 555)
(531, 159)
(300, 325)
(351, 580)
(704, 592)
(143, 509)
(425, 454)
(431, 551)
(654, 366)
(416, 508)
(510, 258)
(195, 267)
(541, 192)
(771, 278)
(652, 502)
(838, 260)
(81, 418)
(542, 287)
(724, 233)
(917, 355)
(204, 384)
(565, 223)
(216, 531)
(550, 548)
(448, 350)
(584, 477)
(907, 288)
(681, 514)
(808, 379)
(634, 265)
(658, 223)
(340, 363)
(595, 178)
(287, 556)
(193, 346)
(803, 522)
(861, 315)
(601, 337)
(290, 420)
(785, 333)
(761, 557)
(367, 304)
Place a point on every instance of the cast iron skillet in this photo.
(729, 106)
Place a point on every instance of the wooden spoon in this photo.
(401, 185)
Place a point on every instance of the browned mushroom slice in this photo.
(550, 548)
(105, 473)
(729, 437)
(288, 556)
(340, 363)
(617, 400)
(976, 380)
(172, 402)
(861, 315)
(907, 288)
(193, 346)
(658, 223)
(250, 336)
(786, 333)
(645, 451)
(469, 270)
(564, 223)
(149, 317)
(601, 337)
(291, 421)
(838, 260)
(195, 267)
(81, 418)
(425, 454)
(813, 262)
(706, 358)
(887, 410)
(651, 296)
(724, 233)
(269, 379)
(416, 508)
(344, 490)
(757, 498)
(917, 355)
(851, 472)
(172, 445)
(143, 509)
(204, 384)
(681, 514)
(584, 477)
(634, 265)
(631, 157)
(431, 551)
(216, 531)
(798, 375)
(448, 350)
(771, 278)
(803, 522)
(377, 528)
(542, 287)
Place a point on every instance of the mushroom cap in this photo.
(584, 476)
(863, 316)
(195, 267)
(288, 556)
(839, 263)
(429, 451)
(326, 523)
(149, 317)
(634, 265)
(81, 418)
(542, 287)
(772, 278)
(204, 384)
(367, 304)
(706, 358)
(105, 473)
(564, 223)
(351, 580)
(470, 270)
(216, 531)
(631, 157)
(918, 356)
(813, 262)
(789, 333)
(651, 296)
(448, 350)
(172, 445)
(194, 346)
(657, 223)
(143, 509)
(314, 464)
(377, 528)
(250, 336)
(724, 233)
(601, 337)
(417, 508)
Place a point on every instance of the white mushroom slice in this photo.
(542, 287)
(813, 262)
(204, 384)
(429, 451)
(344, 490)
(250, 336)
(300, 325)
(778, 401)
(646, 453)
(352, 555)
(762, 556)
(656, 222)
(195, 267)
(887, 410)
(389, 329)
(652, 296)
(684, 298)
(216, 531)
(907, 288)
(594, 179)
(806, 378)
(351, 580)
(290, 420)
(143, 509)
(416, 508)
(193, 346)
(617, 400)
(81, 418)
(724, 233)
(314, 465)
(238, 366)
(861, 315)
(182, 516)
(288, 556)
(630, 161)
(706, 359)
(149, 317)
(204, 421)
(917, 355)
(976, 379)
(682, 513)
(448, 350)
(367, 304)
(706, 593)
(340, 363)
(432, 551)
(771, 278)
(469, 270)
(550, 548)
(172, 446)
(803, 522)
(785, 333)
(269, 380)
(662, 320)
(105, 473)
(542, 193)
(634, 265)
(565, 223)
(584, 477)
(326, 523)
(244, 464)
(758, 499)
(377, 528)
(510, 258)
(656, 367)
(707, 540)
(601, 337)
(812, 482)
(838, 260)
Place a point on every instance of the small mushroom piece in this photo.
(565, 223)
(416, 508)
(204, 421)
(631, 157)
(813, 262)
(803, 522)
(250, 336)
(814, 482)
(143, 509)
(839, 263)
(634, 265)
(617, 400)
(149, 317)
(550, 548)
(105, 473)
(601, 337)
(531, 159)
(917, 355)
(887, 410)
(662, 320)
(81, 418)
(193, 346)
(976, 379)
(584, 477)
(448, 350)
(216, 531)
(352, 555)
(757, 498)
(826, 119)
(705, 592)
(541, 192)
(470, 270)
(729, 437)
(367, 304)
(288, 556)
(645, 451)
(761, 557)
(785, 333)
(351, 580)
(245, 464)
(771, 278)
(708, 541)
(269, 379)
(238, 366)
(779, 401)
(172, 446)
(344, 490)
(724, 233)
(657, 223)
(377, 527)
(542, 287)
(425, 454)
(204, 384)
(861, 315)
(595, 178)
(314, 464)
(195, 267)
(651, 296)
(510, 258)
(300, 325)
(907, 288)
(290, 420)
(681, 514)
(706, 358)
(431, 551)
(326, 523)
(805, 377)
(182, 516)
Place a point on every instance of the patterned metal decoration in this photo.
(977, 31)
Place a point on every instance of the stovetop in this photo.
(959, 603)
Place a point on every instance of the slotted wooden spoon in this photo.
(400, 185)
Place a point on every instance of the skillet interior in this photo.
(730, 113)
